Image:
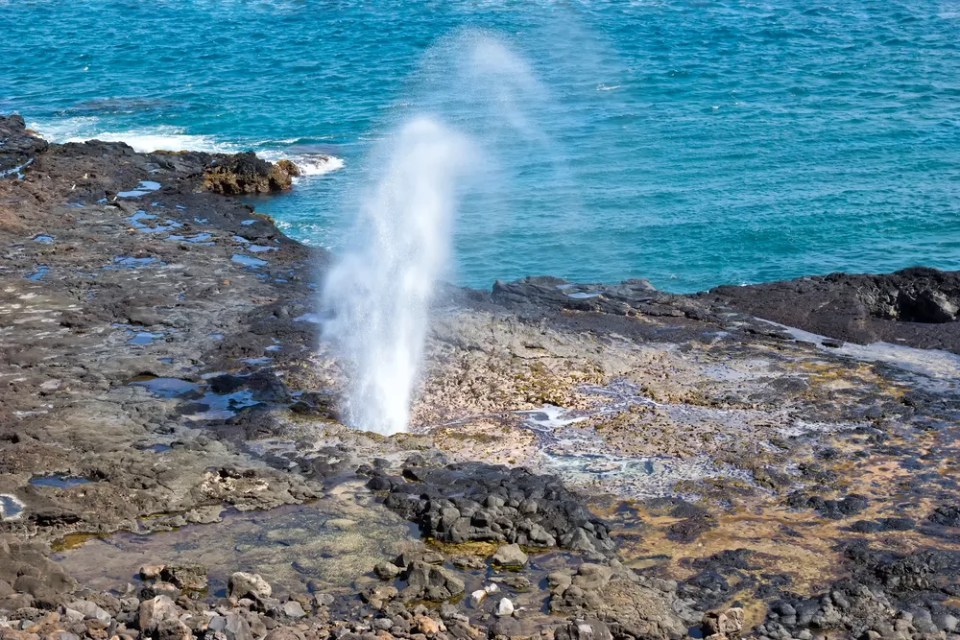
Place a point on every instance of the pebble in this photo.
(504, 608)
(427, 625)
(323, 599)
(151, 571)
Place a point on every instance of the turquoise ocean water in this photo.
(691, 143)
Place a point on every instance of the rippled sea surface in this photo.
(691, 143)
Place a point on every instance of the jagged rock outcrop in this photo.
(917, 307)
(245, 173)
(18, 145)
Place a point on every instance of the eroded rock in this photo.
(245, 173)
(252, 585)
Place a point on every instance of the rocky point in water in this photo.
(586, 461)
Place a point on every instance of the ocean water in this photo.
(691, 143)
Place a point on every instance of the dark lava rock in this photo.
(889, 595)
(883, 524)
(946, 515)
(18, 145)
(902, 574)
(263, 385)
(555, 292)
(675, 507)
(917, 307)
(828, 508)
(687, 530)
(729, 559)
(431, 582)
(719, 576)
(191, 577)
(245, 173)
(476, 501)
(631, 297)
(315, 403)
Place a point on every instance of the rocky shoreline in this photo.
(587, 461)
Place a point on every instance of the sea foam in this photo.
(169, 138)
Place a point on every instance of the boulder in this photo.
(510, 555)
(153, 612)
(723, 625)
(386, 570)
(19, 559)
(245, 173)
(322, 600)
(477, 597)
(252, 585)
(284, 633)
(592, 577)
(427, 625)
(584, 630)
(90, 611)
(236, 628)
(151, 571)
(191, 577)
(173, 629)
(293, 609)
(380, 595)
(18, 145)
(431, 582)
(558, 581)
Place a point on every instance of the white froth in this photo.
(930, 362)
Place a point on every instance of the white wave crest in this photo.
(162, 138)
(146, 140)
(317, 165)
(169, 138)
(310, 164)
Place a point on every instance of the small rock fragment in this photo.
(151, 571)
(504, 608)
(293, 609)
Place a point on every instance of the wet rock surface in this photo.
(916, 307)
(586, 461)
(18, 146)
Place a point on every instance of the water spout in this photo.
(379, 292)
(486, 100)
